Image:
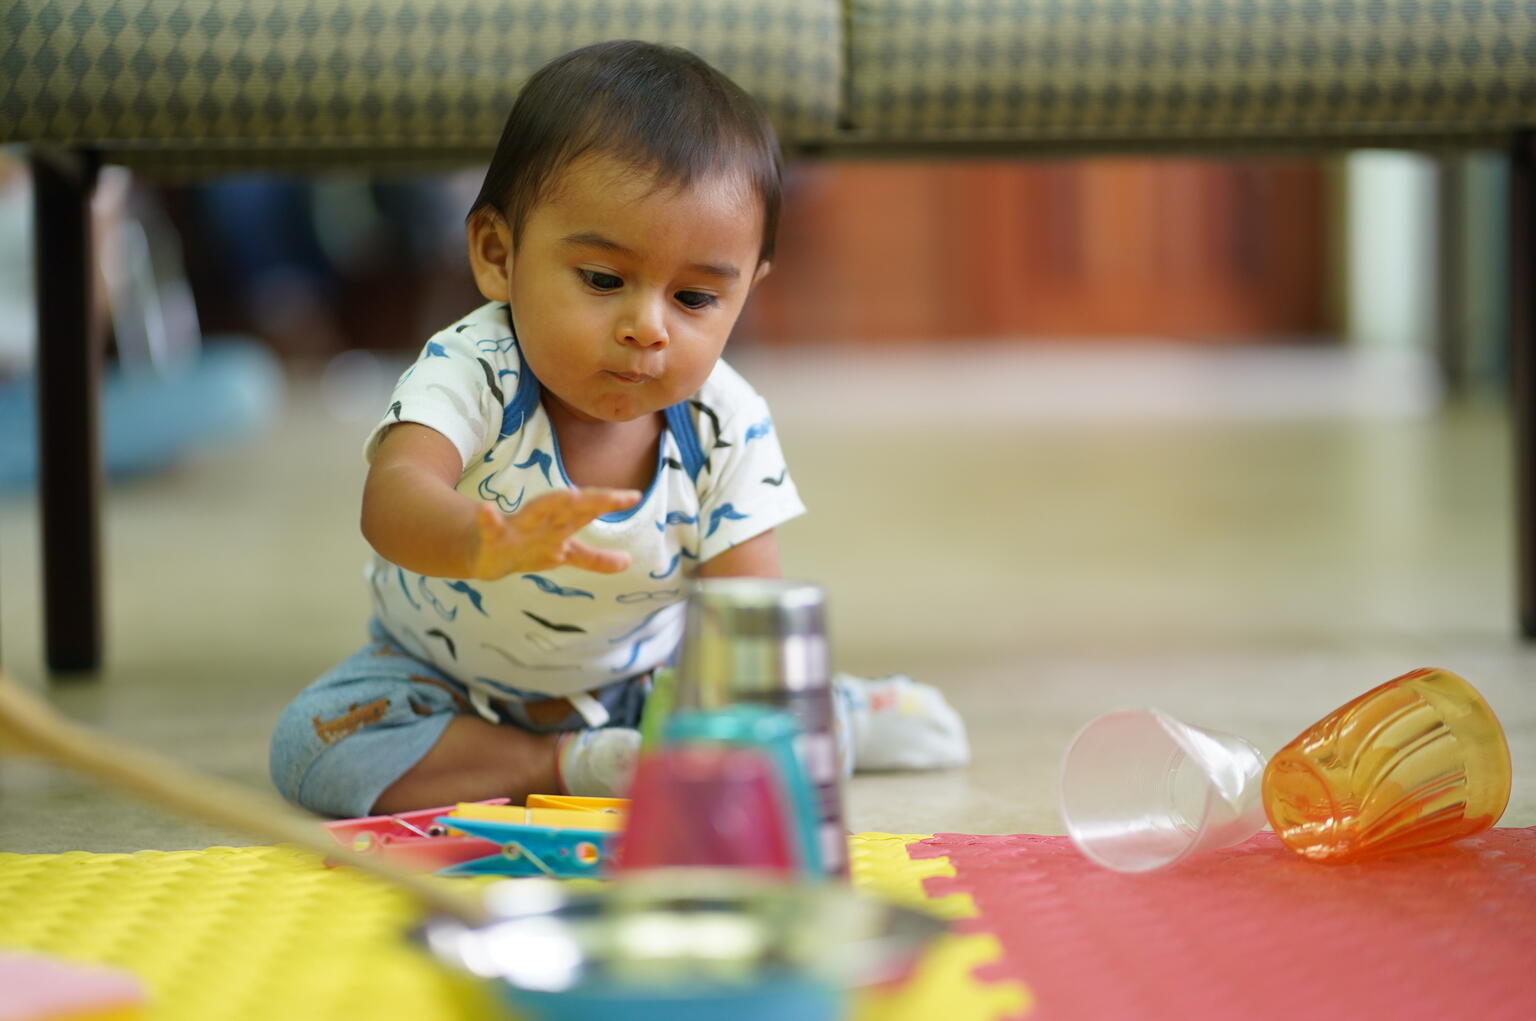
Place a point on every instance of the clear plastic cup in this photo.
(1141, 790)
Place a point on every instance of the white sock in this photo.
(598, 763)
(896, 723)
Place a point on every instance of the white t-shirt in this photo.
(720, 480)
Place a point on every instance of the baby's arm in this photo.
(413, 516)
(758, 557)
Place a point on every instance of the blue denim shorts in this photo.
(351, 734)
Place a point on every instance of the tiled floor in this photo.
(1243, 540)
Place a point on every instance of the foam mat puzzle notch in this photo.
(948, 984)
(954, 980)
(881, 864)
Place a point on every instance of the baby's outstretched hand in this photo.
(542, 534)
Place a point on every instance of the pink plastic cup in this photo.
(707, 804)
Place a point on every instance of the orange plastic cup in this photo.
(1418, 761)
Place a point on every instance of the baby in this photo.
(557, 466)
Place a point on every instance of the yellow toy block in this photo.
(554, 818)
(561, 818)
(570, 801)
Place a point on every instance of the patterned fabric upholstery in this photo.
(1033, 70)
(172, 83)
(184, 86)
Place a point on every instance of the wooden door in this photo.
(928, 251)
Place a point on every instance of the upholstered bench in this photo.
(183, 88)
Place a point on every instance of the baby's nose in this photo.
(646, 327)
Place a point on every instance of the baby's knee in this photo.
(334, 756)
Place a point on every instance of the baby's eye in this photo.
(600, 281)
(695, 299)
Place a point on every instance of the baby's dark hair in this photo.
(661, 108)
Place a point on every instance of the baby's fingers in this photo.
(587, 504)
(590, 558)
(602, 501)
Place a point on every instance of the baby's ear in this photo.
(490, 253)
(763, 269)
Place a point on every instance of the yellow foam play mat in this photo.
(270, 933)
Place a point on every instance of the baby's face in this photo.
(623, 293)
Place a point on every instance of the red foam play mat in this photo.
(1254, 931)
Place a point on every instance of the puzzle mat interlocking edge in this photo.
(230, 934)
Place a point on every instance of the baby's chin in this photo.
(627, 408)
(629, 402)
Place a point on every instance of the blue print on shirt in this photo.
(501, 345)
(487, 493)
(558, 590)
(676, 559)
(676, 518)
(436, 350)
(724, 512)
(758, 431)
(400, 572)
(632, 632)
(634, 655)
(443, 609)
(670, 568)
(524, 400)
(542, 461)
(469, 590)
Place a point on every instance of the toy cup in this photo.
(1141, 790)
(1417, 761)
(708, 804)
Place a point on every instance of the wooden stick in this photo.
(29, 725)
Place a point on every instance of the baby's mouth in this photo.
(631, 377)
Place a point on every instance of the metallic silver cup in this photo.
(764, 641)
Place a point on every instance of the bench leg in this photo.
(69, 366)
(1522, 368)
(1451, 300)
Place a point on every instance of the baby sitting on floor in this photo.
(559, 464)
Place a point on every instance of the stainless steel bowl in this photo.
(668, 938)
